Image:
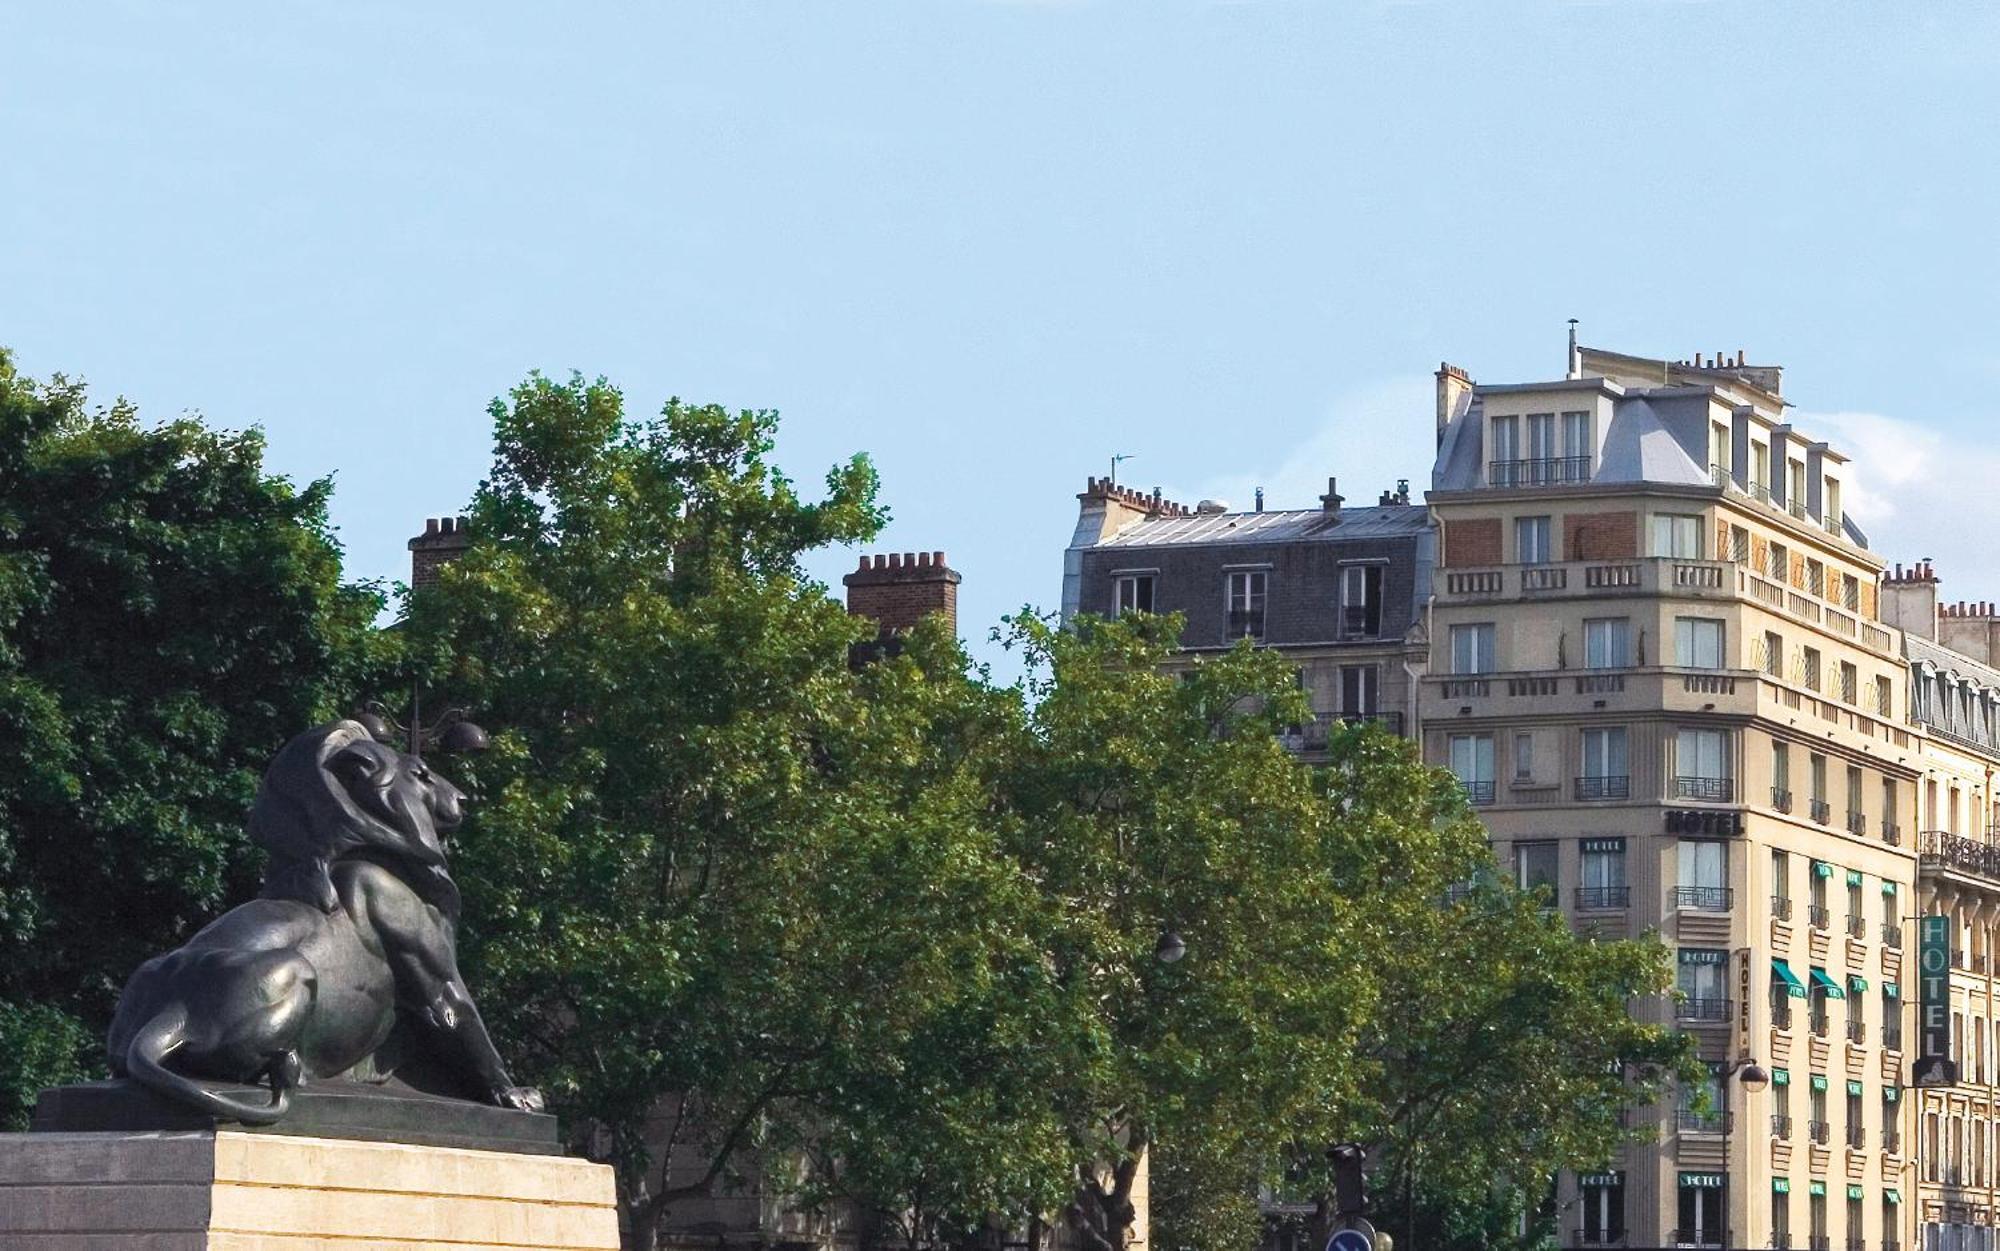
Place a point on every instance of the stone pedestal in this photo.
(216, 1189)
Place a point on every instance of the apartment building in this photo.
(1955, 705)
(1339, 590)
(1659, 670)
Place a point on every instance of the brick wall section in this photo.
(899, 590)
(1474, 541)
(1602, 536)
(444, 540)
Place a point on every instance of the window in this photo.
(1854, 1139)
(1603, 1194)
(1541, 436)
(1246, 604)
(1781, 776)
(1360, 601)
(1472, 648)
(1781, 1091)
(1702, 978)
(1472, 764)
(1795, 487)
(1677, 535)
(1781, 1215)
(1816, 770)
(1701, 765)
(1524, 757)
(1815, 577)
(1850, 592)
(1699, 1212)
(1854, 788)
(1360, 690)
(1603, 874)
(1718, 451)
(1810, 672)
(1703, 875)
(1698, 642)
(1739, 545)
(1531, 541)
(1506, 458)
(1780, 567)
(1774, 654)
(1829, 504)
(1892, 1030)
(1535, 867)
(1850, 682)
(1576, 440)
(1135, 593)
(1607, 643)
(1760, 469)
(1781, 876)
(1853, 1212)
(1604, 769)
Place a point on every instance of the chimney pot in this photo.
(430, 525)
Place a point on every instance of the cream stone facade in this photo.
(1658, 665)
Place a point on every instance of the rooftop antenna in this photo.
(1575, 356)
(1115, 460)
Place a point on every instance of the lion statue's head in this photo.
(335, 791)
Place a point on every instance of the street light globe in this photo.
(1754, 1078)
(1170, 948)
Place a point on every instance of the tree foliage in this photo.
(169, 615)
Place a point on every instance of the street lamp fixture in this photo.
(1170, 948)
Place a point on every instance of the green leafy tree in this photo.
(169, 615)
(734, 906)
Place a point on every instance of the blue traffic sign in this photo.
(1350, 1240)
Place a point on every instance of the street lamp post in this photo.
(450, 732)
(1754, 1077)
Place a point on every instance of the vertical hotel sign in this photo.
(1934, 1065)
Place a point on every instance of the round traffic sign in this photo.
(1350, 1240)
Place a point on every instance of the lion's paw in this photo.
(525, 1098)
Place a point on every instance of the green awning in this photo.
(1781, 1185)
(1816, 1188)
(1819, 1081)
(1890, 1094)
(1856, 982)
(1827, 986)
(1892, 990)
(1854, 877)
(1822, 869)
(1888, 888)
(1781, 1077)
(1854, 1088)
(1793, 986)
(1892, 1195)
(1854, 1192)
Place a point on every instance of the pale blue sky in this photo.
(991, 244)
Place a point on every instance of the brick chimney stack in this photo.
(444, 540)
(1453, 384)
(899, 590)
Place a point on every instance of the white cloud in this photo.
(1917, 493)
(1369, 437)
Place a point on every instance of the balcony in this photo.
(1818, 917)
(1602, 898)
(1781, 1240)
(1640, 575)
(1819, 1025)
(1360, 621)
(1604, 786)
(1818, 1131)
(1540, 471)
(1857, 1033)
(1892, 834)
(1478, 792)
(1937, 849)
(1781, 799)
(1822, 811)
(1857, 1138)
(1892, 1039)
(1600, 1237)
(1696, 1238)
(1311, 737)
(1857, 823)
(1781, 1012)
(1700, 1010)
(1781, 1126)
(1705, 790)
(1781, 907)
(1689, 1121)
(1818, 1242)
(1892, 1142)
(1701, 898)
(1857, 927)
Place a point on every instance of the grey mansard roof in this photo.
(1637, 447)
(1286, 526)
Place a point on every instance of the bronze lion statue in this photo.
(347, 964)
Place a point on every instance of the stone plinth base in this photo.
(199, 1191)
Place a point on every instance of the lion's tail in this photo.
(159, 1038)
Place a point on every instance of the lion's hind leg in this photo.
(241, 1017)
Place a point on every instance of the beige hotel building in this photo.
(1659, 665)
